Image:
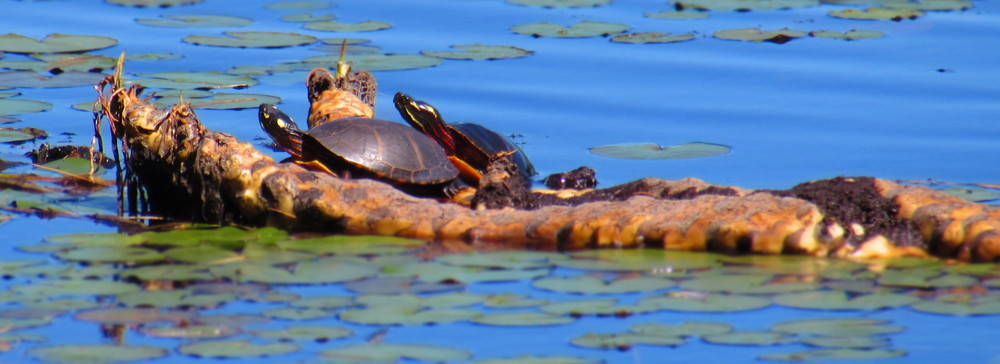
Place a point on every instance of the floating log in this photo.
(191, 172)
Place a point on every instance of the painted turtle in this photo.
(469, 146)
(368, 148)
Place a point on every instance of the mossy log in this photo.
(191, 172)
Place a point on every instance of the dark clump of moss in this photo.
(849, 200)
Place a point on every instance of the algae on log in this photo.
(194, 173)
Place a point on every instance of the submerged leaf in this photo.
(653, 151)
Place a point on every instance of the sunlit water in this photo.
(918, 104)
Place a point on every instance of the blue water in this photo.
(921, 103)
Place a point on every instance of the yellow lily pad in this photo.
(252, 39)
(481, 51)
(336, 26)
(195, 21)
(651, 37)
(878, 14)
(582, 29)
(54, 43)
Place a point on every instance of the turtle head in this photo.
(420, 115)
(282, 129)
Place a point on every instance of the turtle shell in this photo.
(379, 148)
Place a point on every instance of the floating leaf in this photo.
(839, 300)
(528, 359)
(307, 17)
(878, 14)
(436, 272)
(103, 254)
(312, 272)
(755, 338)
(208, 254)
(481, 51)
(837, 327)
(252, 39)
(236, 349)
(399, 285)
(75, 288)
(745, 5)
(445, 300)
(406, 315)
(746, 284)
(624, 341)
(591, 284)
(653, 151)
(756, 35)
(336, 26)
(672, 14)
(194, 80)
(561, 3)
(54, 43)
(9, 324)
(600, 307)
(652, 37)
(961, 305)
(174, 298)
(847, 342)
(353, 245)
(196, 21)
(374, 62)
(19, 106)
(848, 35)
(97, 353)
(513, 259)
(971, 194)
(323, 302)
(582, 29)
(168, 272)
(508, 300)
(834, 354)
(297, 314)
(522, 319)
(31, 79)
(929, 5)
(658, 261)
(708, 302)
(392, 353)
(304, 333)
(191, 331)
(924, 278)
(153, 3)
(686, 329)
(299, 5)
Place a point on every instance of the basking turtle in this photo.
(369, 148)
(469, 146)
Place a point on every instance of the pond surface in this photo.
(919, 103)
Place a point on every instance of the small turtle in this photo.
(368, 148)
(469, 146)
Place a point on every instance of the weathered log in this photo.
(194, 173)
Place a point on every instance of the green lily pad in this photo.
(653, 261)
(705, 302)
(223, 101)
(834, 354)
(523, 319)
(208, 254)
(929, 5)
(848, 35)
(481, 51)
(235, 319)
(529, 359)
(400, 285)
(104, 254)
(64, 304)
(174, 298)
(961, 305)
(561, 3)
(393, 353)
(79, 287)
(31, 79)
(752, 338)
(376, 62)
(503, 259)
(877, 14)
(406, 315)
(191, 331)
(651, 37)
(299, 5)
(582, 29)
(837, 327)
(168, 272)
(598, 307)
(235, 349)
(673, 14)
(307, 17)
(924, 279)
(624, 341)
(130, 316)
(444, 300)
(54, 43)
(97, 353)
(847, 342)
(745, 5)
(839, 300)
(336, 26)
(252, 39)
(353, 245)
(653, 151)
(304, 333)
(686, 329)
(323, 302)
(756, 35)
(195, 21)
(508, 300)
(973, 194)
(746, 284)
(312, 272)
(153, 3)
(9, 135)
(793, 264)
(436, 272)
(297, 314)
(19, 106)
(591, 284)
(193, 80)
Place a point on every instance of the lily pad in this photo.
(312, 272)
(706, 302)
(32, 79)
(235, 349)
(98, 353)
(878, 14)
(436, 272)
(19, 106)
(336, 26)
(599, 307)
(624, 341)
(561, 3)
(153, 3)
(399, 285)
(374, 62)
(961, 305)
(169, 272)
(746, 284)
(839, 300)
(834, 354)
(508, 300)
(756, 35)
(223, 101)
(299, 5)
(481, 51)
(80, 287)
(393, 353)
(54, 43)
(444, 300)
(653, 151)
(673, 14)
(745, 5)
(196, 21)
(503, 259)
(686, 329)
(307, 17)
(406, 315)
(130, 316)
(304, 333)
(974, 194)
(323, 302)
(753, 338)
(252, 39)
(529, 359)
(847, 342)
(654, 261)
(10, 135)
(837, 327)
(103, 254)
(191, 331)
(298, 314)
(651, 37)
(194, 80)
(522, 319)
(353, 245)
(173, 298)
(848, 35)
(582, 29)
(592, 284)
